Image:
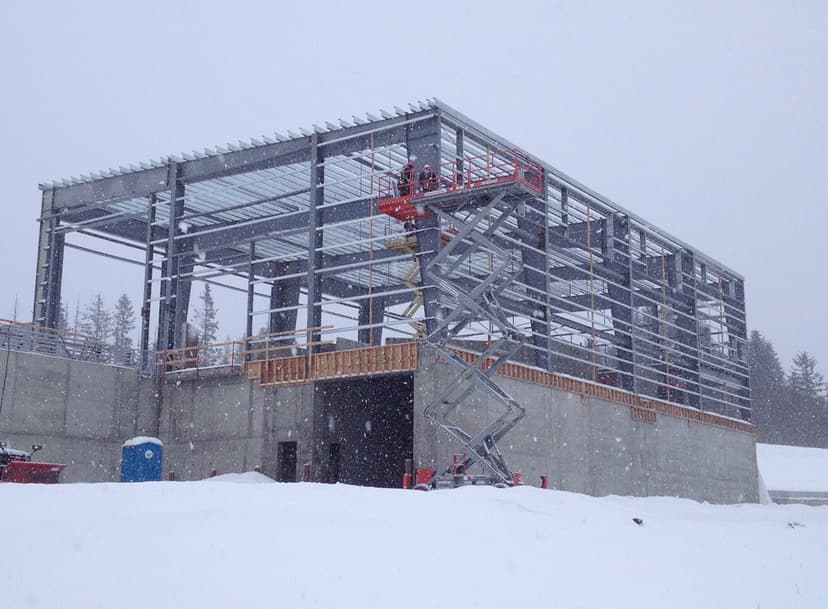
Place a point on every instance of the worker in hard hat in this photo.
(406, 180)
(427, 179)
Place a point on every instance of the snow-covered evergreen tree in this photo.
(206, 316)
(805, 380)
(63, 317)
(123, 322)
(95, 320)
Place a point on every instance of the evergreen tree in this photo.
(768, 390)
(807, 393)
(63, 317)
(206, 317)
(95, 320)
(805, 380)
(123, 322)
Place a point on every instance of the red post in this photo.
(306, 472)
(458, 466)
(544, 481)
(516, 479)
(407, 473)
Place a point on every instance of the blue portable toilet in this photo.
(141, 459)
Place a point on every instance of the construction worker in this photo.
(428, 179)
(406, 180)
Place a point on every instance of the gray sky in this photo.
(711, 121)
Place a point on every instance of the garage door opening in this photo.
(371, 422)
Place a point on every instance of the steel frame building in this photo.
(334, 255)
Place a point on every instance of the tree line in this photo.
(788, 407)
(115, 326)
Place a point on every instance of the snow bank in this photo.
(245, 478)
(202, 545)
(793, 468)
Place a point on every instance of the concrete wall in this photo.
(593, 446)
(225, 422)
(81, 412)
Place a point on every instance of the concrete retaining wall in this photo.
(593, 446)
(225, 422)
(83, 412)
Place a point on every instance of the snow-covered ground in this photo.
(793, 468)
(225, 544)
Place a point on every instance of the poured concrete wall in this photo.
(81, 412)
(225, 422)
(593, 446)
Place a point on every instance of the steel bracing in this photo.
(508, 256)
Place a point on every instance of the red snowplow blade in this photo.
(29, 471)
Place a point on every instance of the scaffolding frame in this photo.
(597, 292)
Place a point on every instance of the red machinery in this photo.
(17, 466)
(457, 177)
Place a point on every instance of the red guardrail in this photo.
(402, 201)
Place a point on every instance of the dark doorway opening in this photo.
(334, 463)
(286, 462)
(371, 424)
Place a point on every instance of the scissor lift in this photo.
(468, 201)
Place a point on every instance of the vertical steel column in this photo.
(547, 248)
(687, 321)
(534, 256)
(49, 271)
(618, 257)
(422, 141)
(371, 311)
(565, 209)
(251, 290)
(169, 315)
(284, 294)
(459, 151)
(739, 326)
(146, 306)
(315, 238)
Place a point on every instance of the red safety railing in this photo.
(403, 201)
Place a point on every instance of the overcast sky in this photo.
(710, 119)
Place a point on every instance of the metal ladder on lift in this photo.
(466, 303)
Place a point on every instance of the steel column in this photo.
(315, 240)
(146, 305)
(284, 297)
(49, 272)
(169, 334)
(251, 291)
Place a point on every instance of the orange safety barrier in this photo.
(501, 167)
